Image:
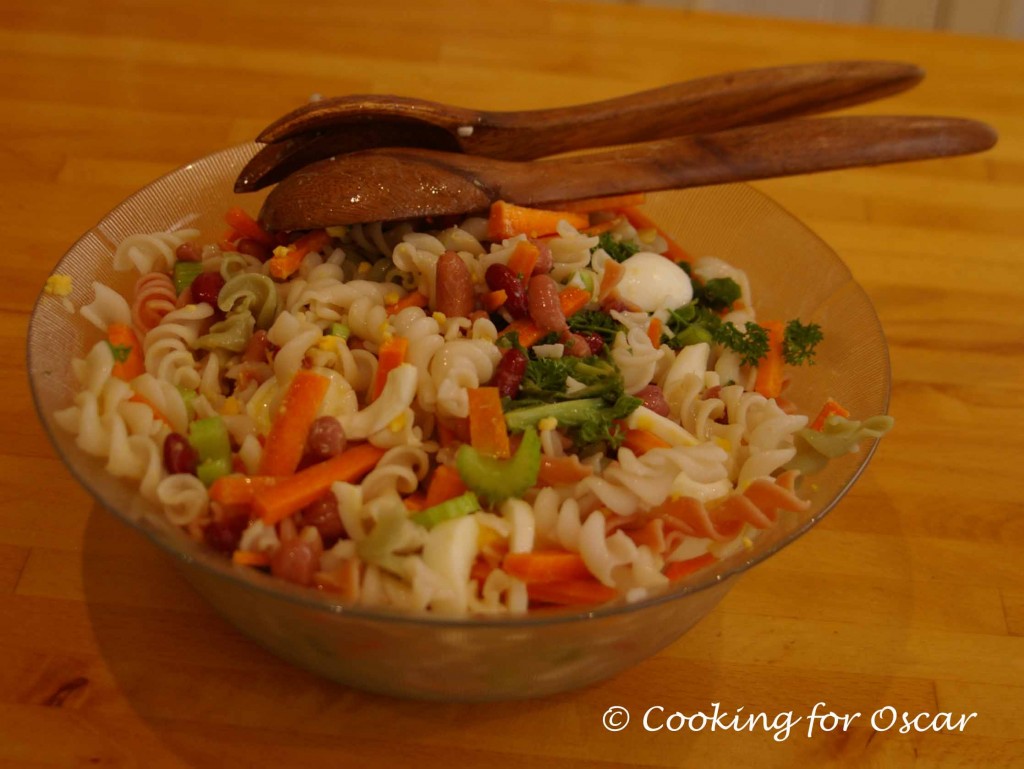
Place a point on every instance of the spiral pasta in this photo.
(350, 437)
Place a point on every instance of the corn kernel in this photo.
(281, 251)
(396, 424)
(363, 268)
(231, 407)
(440, 317)
(391, 298)
(58, 285)
(547, 423)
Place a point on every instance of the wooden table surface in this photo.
(908, 598)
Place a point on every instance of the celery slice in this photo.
(456, 507)
(185, 273)
(498, 479)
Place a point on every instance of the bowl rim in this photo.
(216, 565)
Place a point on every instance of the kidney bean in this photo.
(206, 287)
(188, 252)
(508, 375)
(179, 456)
(654, 399)
(323, 516)
(254, 248)
(500, 277)
(326, 439)
(544, 261)
(453, 295)
(577, 346)
(224, 535)
(297, 560)
(594, 340)
(545, 309)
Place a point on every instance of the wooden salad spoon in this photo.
(341, 125)
(405, 183)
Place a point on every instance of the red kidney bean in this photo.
(323, 516)
(326, 439)
(224, 535)
(545, 309)
(654, 399)
(179, 456)
(296, 560)
(189, 252)
(206, 287)
(453, 294)
(594, 340)
(577, 346)
(500, 277)
(544, 261)
(508, 375)
(254, 248)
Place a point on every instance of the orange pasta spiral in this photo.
(154, 298)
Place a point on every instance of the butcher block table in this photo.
(907, 601)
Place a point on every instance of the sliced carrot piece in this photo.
(488, 432)
(287, 438)
(770, 367)
(390, 356)
(545, 566)
(576, 592)
(641, 221)
(831, 407)
(508, 220)
(128, 360)
(678, 569)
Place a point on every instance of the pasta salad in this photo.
(484, 415)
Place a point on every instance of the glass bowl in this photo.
(792, 272)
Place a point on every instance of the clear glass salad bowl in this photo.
(792, 272)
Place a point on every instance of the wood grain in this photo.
(910, 594)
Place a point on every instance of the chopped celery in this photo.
(189, 398)
(340, 329)
(209, 437)
(498, 479)
(212, 469)
(185, 273)
(455, 507)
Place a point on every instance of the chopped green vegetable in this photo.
(546, 379)
(597, 322)
(591, 420)
(718, 294)
(619, 250)
(184, 274)
(751, 343)
(498, 479)
(340, 329)
(799, 342)
(209, 437)
(456, 507)
(212, 469)
(189, 398)
(120, 351)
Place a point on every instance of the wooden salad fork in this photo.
(338, 126)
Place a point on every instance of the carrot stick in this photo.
(287, 438)
(492, 300)
(286, 259)
(128, 361)
(390, 356)
(558, 471)
(249, 558)
(831, 407)
(642, 222)
(412, 299)
(641, 441)
(573, 299)
(654, 332)
(769, 368)
(678, 569)
(291, 494)
(415, 502)
(605, 226)
(246, 227)
(444, 485)
(507, 220)
(239, 490)
(524, 259)
(610, 203)
(613, 273)
(546, 566)
(574, 592)
(488, 433)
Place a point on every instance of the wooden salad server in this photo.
(346, 124)
(405, 183)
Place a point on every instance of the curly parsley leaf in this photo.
(619, 250)
(799, 342)
(120, 351)
(718, 294)
(751, 343)
(597, 322)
